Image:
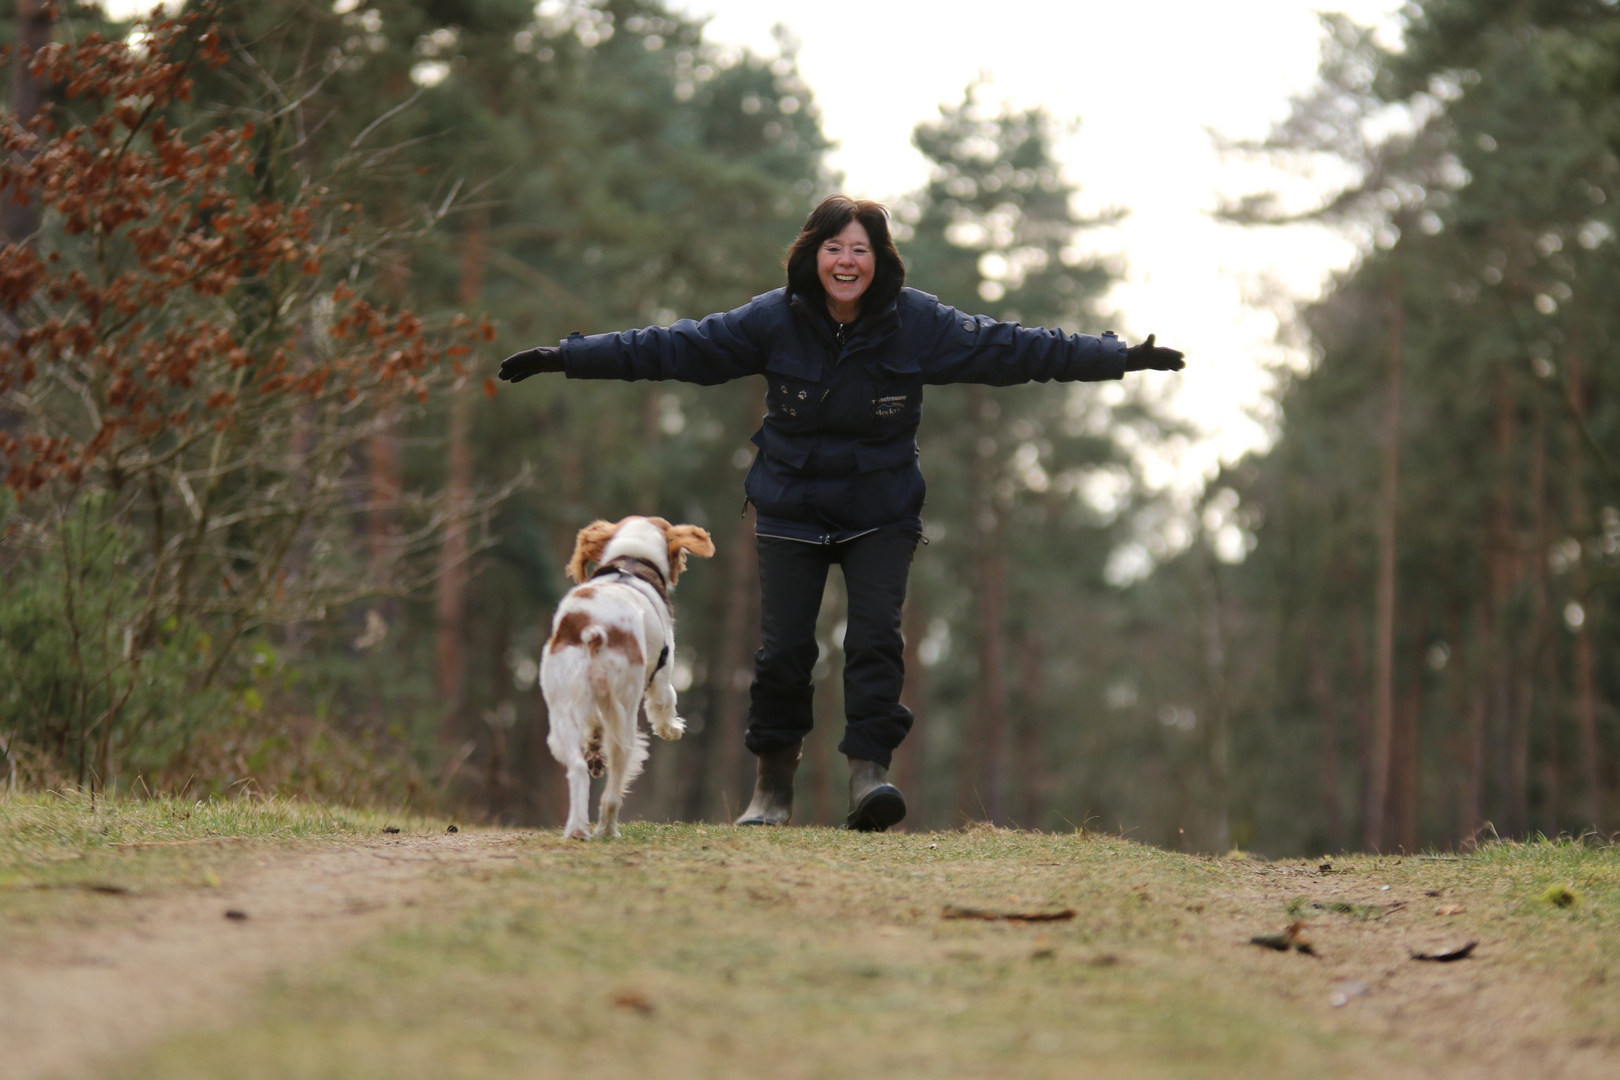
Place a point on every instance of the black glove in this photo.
(1145, 356)
(520, 366)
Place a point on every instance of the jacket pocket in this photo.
(888, 455)
(794, 365)
(890, 403)
(781, 448)
(793, 388)
(894, 398)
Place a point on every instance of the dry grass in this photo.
(713, 952)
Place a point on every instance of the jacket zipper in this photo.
(819, 543)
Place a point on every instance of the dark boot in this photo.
(874, 803)
(773, 787)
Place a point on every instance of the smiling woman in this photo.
(843, 251)
(844, 265)
(845, 350)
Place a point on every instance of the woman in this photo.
(846, 350)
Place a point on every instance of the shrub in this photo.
(195, 366)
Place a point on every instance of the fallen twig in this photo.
(951, 911)
(1445, 956)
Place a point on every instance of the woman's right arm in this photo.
(716, 349)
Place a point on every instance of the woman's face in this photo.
(845, 265)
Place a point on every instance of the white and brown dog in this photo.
(613, 643)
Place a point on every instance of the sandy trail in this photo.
(75, 997)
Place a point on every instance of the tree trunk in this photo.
(1033, 758)
(450, 595)
(1375, 836)
(1327, 709)
(731, 673)
(1406, 788)
(980, 788)
(1473, 801)
(384, 462)
(1592, 810)
(908, 760)
(1580, 523)
(385, 480)
(1356, 655)
(992, 574)
(1535, 642)
(450, 600)
(1502, 663)
(498, 776)
(1216, 725)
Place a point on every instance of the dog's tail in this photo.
(593, 637)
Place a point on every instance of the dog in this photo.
(612, 646)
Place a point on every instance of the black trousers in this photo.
(792, 577)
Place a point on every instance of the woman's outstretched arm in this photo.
(979, 349)
(712, 350)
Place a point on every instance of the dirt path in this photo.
(75, 996)
(109, 977)
(1494, 1016)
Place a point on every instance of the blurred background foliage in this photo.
(1390, 630)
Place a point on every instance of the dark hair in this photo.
(829, 219)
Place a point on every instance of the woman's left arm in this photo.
(964, 348)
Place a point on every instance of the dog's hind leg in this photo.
(624, 749)
(607, 818)
(579, 800)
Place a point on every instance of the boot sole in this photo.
(878, 809)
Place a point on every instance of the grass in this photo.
(59, 852)
(685, 951)
(707, 951)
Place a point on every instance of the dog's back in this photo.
(593, 672)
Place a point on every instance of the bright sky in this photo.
(1148, 80)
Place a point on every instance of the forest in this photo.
(269, 525)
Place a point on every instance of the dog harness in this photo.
(646, 571)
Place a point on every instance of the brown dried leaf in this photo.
(632, 999)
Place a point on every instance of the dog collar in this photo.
(634, 566)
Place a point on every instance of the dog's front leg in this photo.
(579, 802)
(661, 705)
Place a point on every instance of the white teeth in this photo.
(845, 277)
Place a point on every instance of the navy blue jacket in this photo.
(838, 448)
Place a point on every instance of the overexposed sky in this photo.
(1148, 79)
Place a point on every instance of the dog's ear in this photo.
(588, 547)
(682, 539)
